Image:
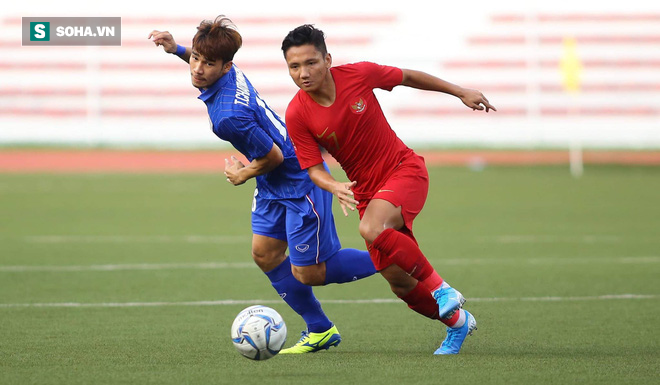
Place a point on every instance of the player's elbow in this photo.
(275, 156)
(409, 77)
(279, 158)
(270, 161)
(318, 175)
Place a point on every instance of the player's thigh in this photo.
(310, 228)
(399, 199)
(269, 240)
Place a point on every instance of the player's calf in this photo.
(313, 275)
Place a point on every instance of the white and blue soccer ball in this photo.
(258, 332)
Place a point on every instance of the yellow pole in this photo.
(571, 69)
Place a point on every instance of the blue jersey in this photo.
(241, 117)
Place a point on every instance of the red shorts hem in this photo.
(407, 187)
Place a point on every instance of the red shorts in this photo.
(406, 187)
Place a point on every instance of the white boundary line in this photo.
(221, 239)
(551, 239)
(226, 239)
(250, 265)
(123, 267)
(229, 302)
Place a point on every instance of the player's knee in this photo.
(258, 256)
(267, 260)
(370, 232)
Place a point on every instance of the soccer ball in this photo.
(258, 332)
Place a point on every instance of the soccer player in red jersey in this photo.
(337, 109)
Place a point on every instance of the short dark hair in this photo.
(217, 39)
(305, 34)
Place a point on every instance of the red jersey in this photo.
(353, 129)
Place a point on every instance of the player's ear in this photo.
(226, 67)
(328, 60)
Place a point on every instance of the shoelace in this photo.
(303, 335)
(451, 334)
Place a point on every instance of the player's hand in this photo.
(345, 196)
(232, 171)
(163, 39)
(475, 100)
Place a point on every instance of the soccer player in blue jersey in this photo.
(288, 210)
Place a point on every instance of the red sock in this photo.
(405, 253)
(404, 230)
(452, 321)
(421, 301)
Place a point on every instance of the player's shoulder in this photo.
(361, 66)
(224, 106)
(297, 102)
(227, 115)
(358, 71)
(370, 74)
(297, 110)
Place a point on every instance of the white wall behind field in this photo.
(136, 95)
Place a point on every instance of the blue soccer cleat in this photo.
(449, 300)
(455, 337)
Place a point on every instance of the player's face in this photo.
(204, 72)
(308, 67)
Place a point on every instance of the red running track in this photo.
(120, 161)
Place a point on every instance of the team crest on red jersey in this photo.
(359, 106)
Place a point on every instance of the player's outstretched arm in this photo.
(342, 190)
(166, 40)
(421, 80)
(237, 173)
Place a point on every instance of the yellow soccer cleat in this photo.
(313, 342)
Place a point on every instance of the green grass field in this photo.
(104, 278)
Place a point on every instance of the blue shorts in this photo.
(306, 224)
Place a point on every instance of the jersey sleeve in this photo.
(306, 148)
(381, 76)
(245, 135)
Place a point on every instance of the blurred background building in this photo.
(560, 73)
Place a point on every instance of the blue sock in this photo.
(299, 297)
(348, 265)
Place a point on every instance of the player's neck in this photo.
(326, 94)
